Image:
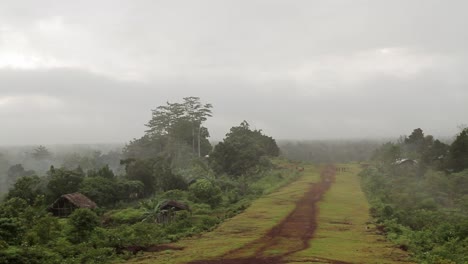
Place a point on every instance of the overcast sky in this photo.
(91, 71)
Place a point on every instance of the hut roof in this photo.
(174, 204)
(79, 200)
(406, 161)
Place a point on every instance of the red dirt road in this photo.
(290, 236)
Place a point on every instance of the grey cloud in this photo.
(297, 69)
(96, 109)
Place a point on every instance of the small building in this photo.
(169, 209)
(400, 162)
(67, 203)
(174, 206)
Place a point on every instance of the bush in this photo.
(206, 222)
(421, 209)
(236, 208)
(139, 234)
(82, 222)
(11, 230)
(44, 230)
(181, 225)
(96, 255)
(29, 255)
(175, 195)
(201, 209)
(206, 192)
(124, 216)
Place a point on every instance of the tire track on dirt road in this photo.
(291, 235)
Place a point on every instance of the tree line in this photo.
(418, 189)
(329, 151)
(17, 161)
(173, 160)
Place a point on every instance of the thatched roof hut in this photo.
(174, 206)
(400, 162)
(67, 203)
(169, 208)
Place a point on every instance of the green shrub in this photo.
(96, 255)
(82, 222)
(174, 195)
(181, 224)
(29, 255)
(124, 216)
(201, 209)
(206, 192)
(11, 230)
(206, 222)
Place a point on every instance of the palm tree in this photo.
(152, 210)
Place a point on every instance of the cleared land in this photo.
(292, 226)
(254, 223)
(342, 233)
(291, 235)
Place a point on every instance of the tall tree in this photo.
(197, 113)
(459, 152)
(172, 128)
(141, 170)
(15, 172)
(241, 150)
(41, 153)
(27, 188)
(63, 181)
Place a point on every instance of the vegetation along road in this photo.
(286, 227)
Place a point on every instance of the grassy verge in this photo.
(342, 232)
(240, 230)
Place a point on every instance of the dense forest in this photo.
(16, 160)
(173, 163)
(173, 183)
(418, 189)
(329, 151)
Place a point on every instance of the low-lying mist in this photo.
(38, 159)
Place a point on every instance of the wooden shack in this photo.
(174, 206)
(406, 162)
(67, 203)
(169, 208)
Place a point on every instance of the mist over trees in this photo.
(458, 152)
(175, 129)
(17, 161)
(172, 160)
(418, 189)
(417, 186)
(329, 151)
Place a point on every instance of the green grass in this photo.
(342, 232)
(253, 223)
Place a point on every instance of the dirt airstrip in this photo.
(290, 236)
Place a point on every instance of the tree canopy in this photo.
(422, 205)
(241, 150)
(41, 153)
(459, 151)
(173, 129)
